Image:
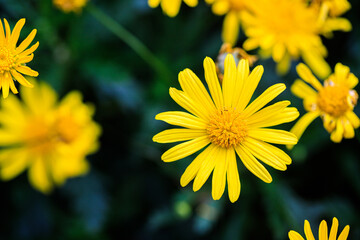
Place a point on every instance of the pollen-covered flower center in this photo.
(42, 135)
(7, 60)
(236, 4)
(336, 100)
(227, 128)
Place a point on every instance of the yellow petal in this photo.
(219, 175)
(295, 236)
(16, 32)
(267, 112)
(348, 129)
(344, 234)
(213, 82)
(299, 128)
(267, 96)
(302, 90)
(253, 165)
(24, 44)
(27, 71)
(278, 52)
(178, 135)
(2, 34)
(14, 166)
(308, 233)
(283, 66)
(317, 63)
(195, 165)
(193, 87)
(29, 50)
(26, 59)
(153, 3)
(233, 179)
(191, 3)
(262, 152)
(220, 7)
(7, 29)
(273, 136)
(182, 119)
(171, 7)
(337, 135)
(334, 229)
(38, 176)
(187, 103)
(249, 87)
(341, 72)
(5, 85)
(231, 26)
(229, 80)
(305, 73)
(242, 74)
(323, 231)
(206, 168)
(185, 149)
(20, 78)
(351, 116)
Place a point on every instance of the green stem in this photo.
(131, 41)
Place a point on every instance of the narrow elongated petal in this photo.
(154, 3)
(171, 7)
(191, 3)
(29, 50)
(273, 136)
(231, 28)
(306, 74)
(213, 82)
(302, 90)
(188, 104)
(206, 168)
(192, 86)
(16, 165)
(253, 165)
(38, 176)
(307, 229)
(268, 95)
(20, 78)
(337, 135)
(334, 229)
(27, 71)
(182, 119)
(16, 32)
(300, 126)
(185, 149)
(24, 44)
(219, 175)
(178, 135)
(267, 112)
(295, 236)
(195, 165)
(323, 231)
(286, 115)
(233, 179)
(242, 74)
(229, 80)
(344, 234)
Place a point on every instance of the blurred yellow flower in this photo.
(227, 124)
(333, 102)
(13, 59)
(51, 139)
(323, 232)
(231, 25)
(68, 6)
(289, 29)
(171, 7)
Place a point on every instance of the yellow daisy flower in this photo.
(171, 7)
(226, 123)
(51, 139)
(231, 25)
(68, 6)
(13, 59)
(289, 29)
(323, 231)
(333, 102)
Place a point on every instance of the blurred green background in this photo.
(130, 193)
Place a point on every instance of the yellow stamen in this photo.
(7, 60)
(227, 128)
(336, 100)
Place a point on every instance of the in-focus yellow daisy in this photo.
(13, 58)
(290, 29)
(171, 7)
(226, 123)
(68, 6)
(50, 139)
(323, 232)
(231, 25)
(333, 102)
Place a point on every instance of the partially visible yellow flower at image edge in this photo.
(289, 29)
(171, 7)
(49, 138)
(226, 123)
(323, 231)
(232, 10)
(68, 6)
(333, 102)
(13, 58)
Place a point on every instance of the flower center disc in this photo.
(6, 60)
(227, 128)
(336, 100)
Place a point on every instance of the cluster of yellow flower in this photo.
(52, 138)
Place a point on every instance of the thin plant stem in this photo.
(133, 42)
